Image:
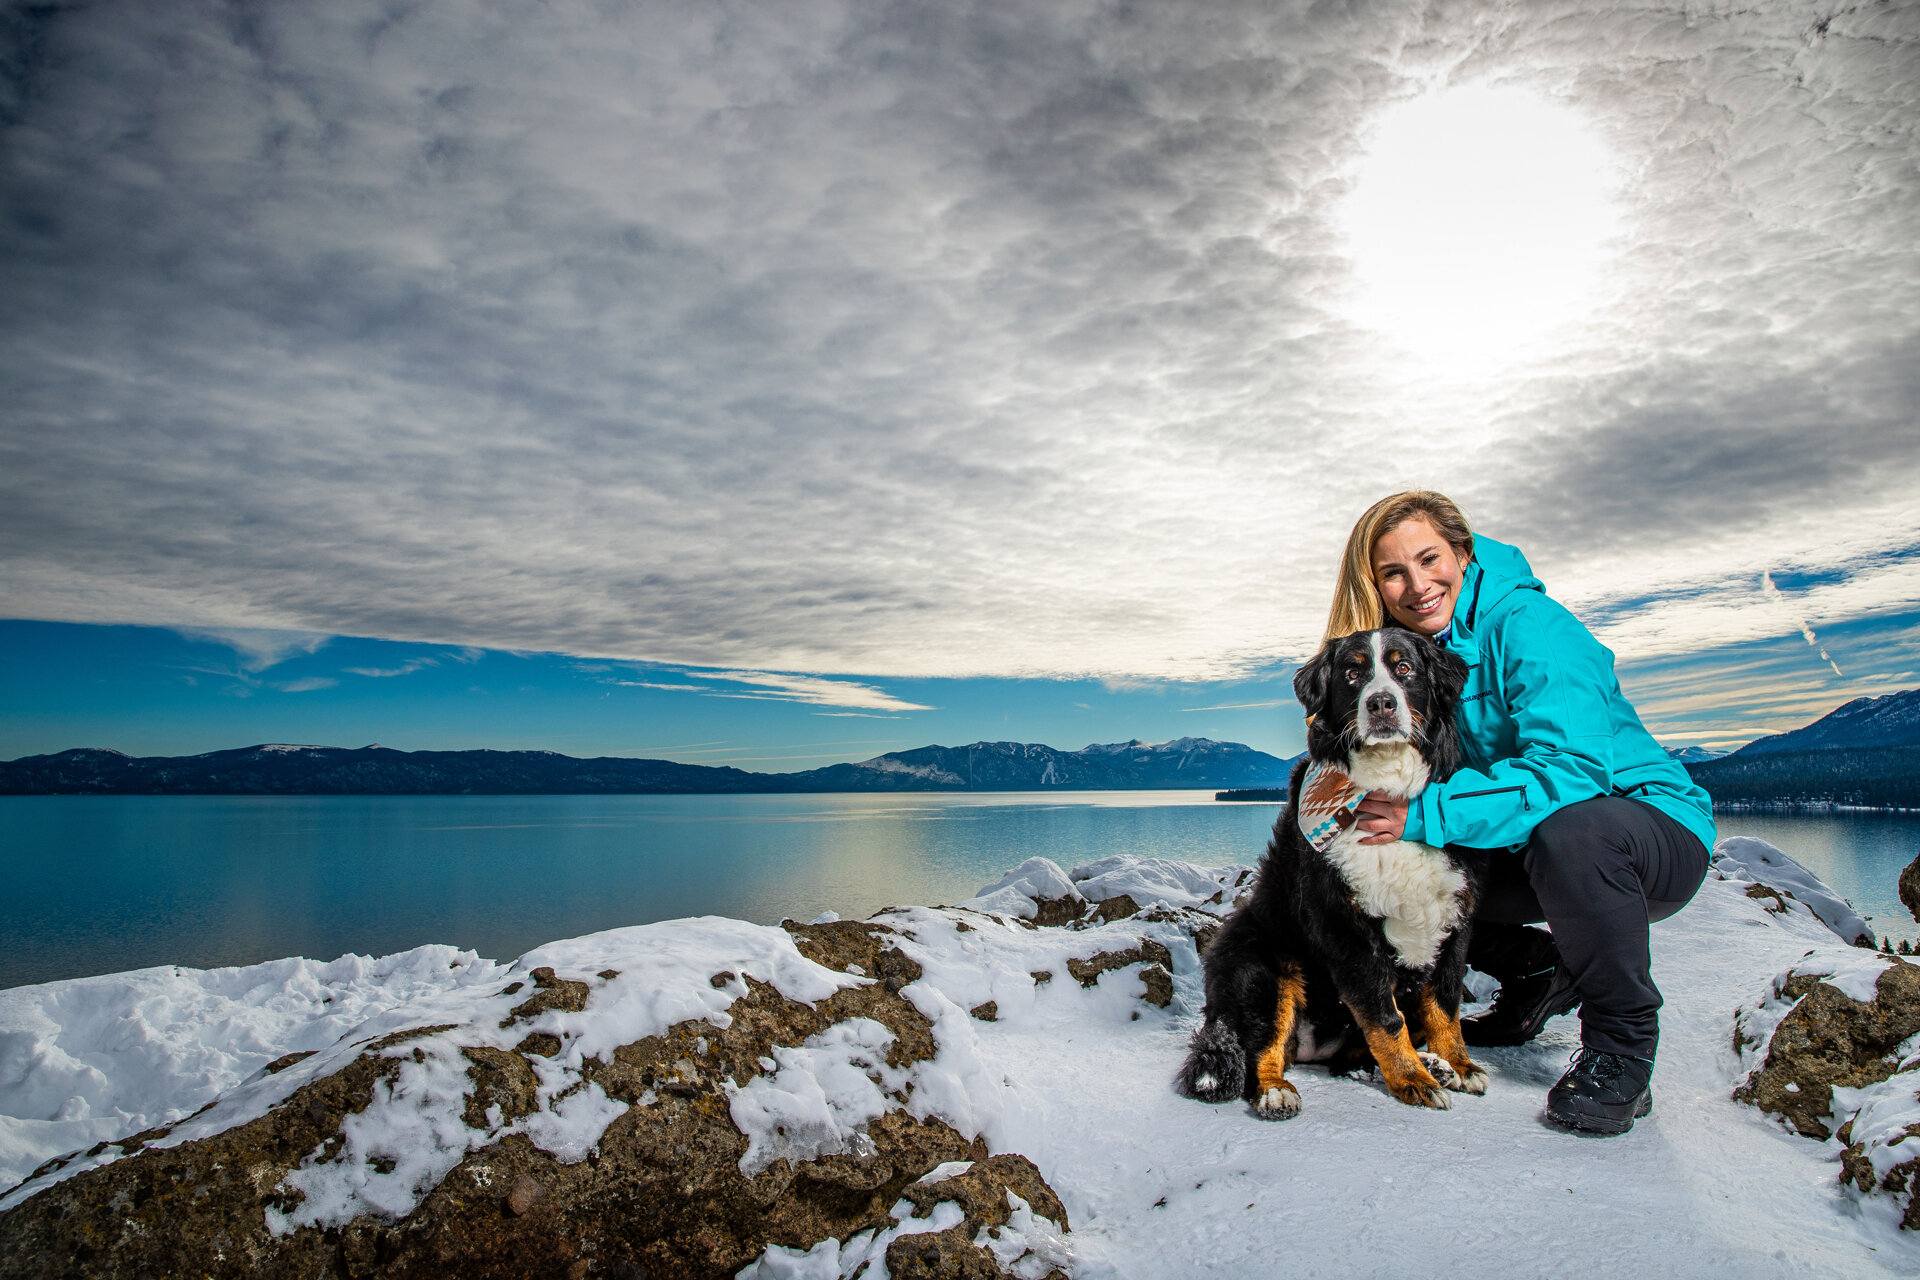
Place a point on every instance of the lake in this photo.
(97, 884)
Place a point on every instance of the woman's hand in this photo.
(1382, 816)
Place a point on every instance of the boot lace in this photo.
(1597, 1065)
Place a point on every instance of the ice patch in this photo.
(941, 1172)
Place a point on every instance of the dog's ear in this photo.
(1447, 677)
(1310, 682)
(1449, 669)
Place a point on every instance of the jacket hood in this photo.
(1498, 570)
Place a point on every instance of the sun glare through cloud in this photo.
(1479, 223)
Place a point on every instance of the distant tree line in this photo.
(1863, 777)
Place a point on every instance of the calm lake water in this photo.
(100, 884)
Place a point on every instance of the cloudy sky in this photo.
(942, 360)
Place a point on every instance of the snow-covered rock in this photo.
(1024, 890)
(1164, 880)
(1754, 861)
(932, 1087)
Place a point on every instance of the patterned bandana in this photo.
(1328, 798)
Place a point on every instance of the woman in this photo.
(1584, 821)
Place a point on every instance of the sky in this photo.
(872, 374)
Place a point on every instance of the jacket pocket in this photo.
(1497, 791)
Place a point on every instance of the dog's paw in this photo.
(1440, 1069)
(1417, 1092)
(1282, 1102)
(1473, 1080)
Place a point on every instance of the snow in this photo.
(1151, 880)
(95, 1059)
(1015, 892)
(1075, 1078)
(830, 1259)
(1753, 860)
(819, 1098)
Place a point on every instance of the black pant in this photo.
(1598, 873)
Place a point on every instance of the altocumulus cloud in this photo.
(916, 339)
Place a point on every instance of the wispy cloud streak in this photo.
(1778, 597)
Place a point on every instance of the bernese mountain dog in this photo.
(1349, 954)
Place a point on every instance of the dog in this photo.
(1346, 953)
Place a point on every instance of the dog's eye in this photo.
(1403, 668)
(1353, 675)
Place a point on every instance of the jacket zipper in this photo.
(1495, 791)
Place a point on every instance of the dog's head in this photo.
(1375, 687)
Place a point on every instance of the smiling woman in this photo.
(1480, 219)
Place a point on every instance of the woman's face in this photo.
(1418, 573)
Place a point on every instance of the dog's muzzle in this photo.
(1384, 716)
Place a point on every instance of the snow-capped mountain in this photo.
(1694, 755)
(1891, 720)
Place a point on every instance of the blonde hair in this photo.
(1356, 597)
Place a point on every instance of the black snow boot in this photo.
(1602, 1092)
(1534, 985)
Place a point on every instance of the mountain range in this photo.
(280, 769)
(1865, 753)
(1891, 720)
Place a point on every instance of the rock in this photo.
(1118, 907)
(1902, 1180)
(1830, 1039)
(1088, 971)
(525, 1194)
(1159, 985)
(987, 1012)
(981, 1193)
(661, 1194)
(1910, 887)
(550, 993)
(1053, 912)
(940, 1255)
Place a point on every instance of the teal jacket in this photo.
(1542, 719)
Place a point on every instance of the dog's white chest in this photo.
(1409, 887)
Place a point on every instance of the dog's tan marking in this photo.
(1271, 1070)
(1401, 1070)
(1444, 1038)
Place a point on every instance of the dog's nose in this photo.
(1381, 703)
